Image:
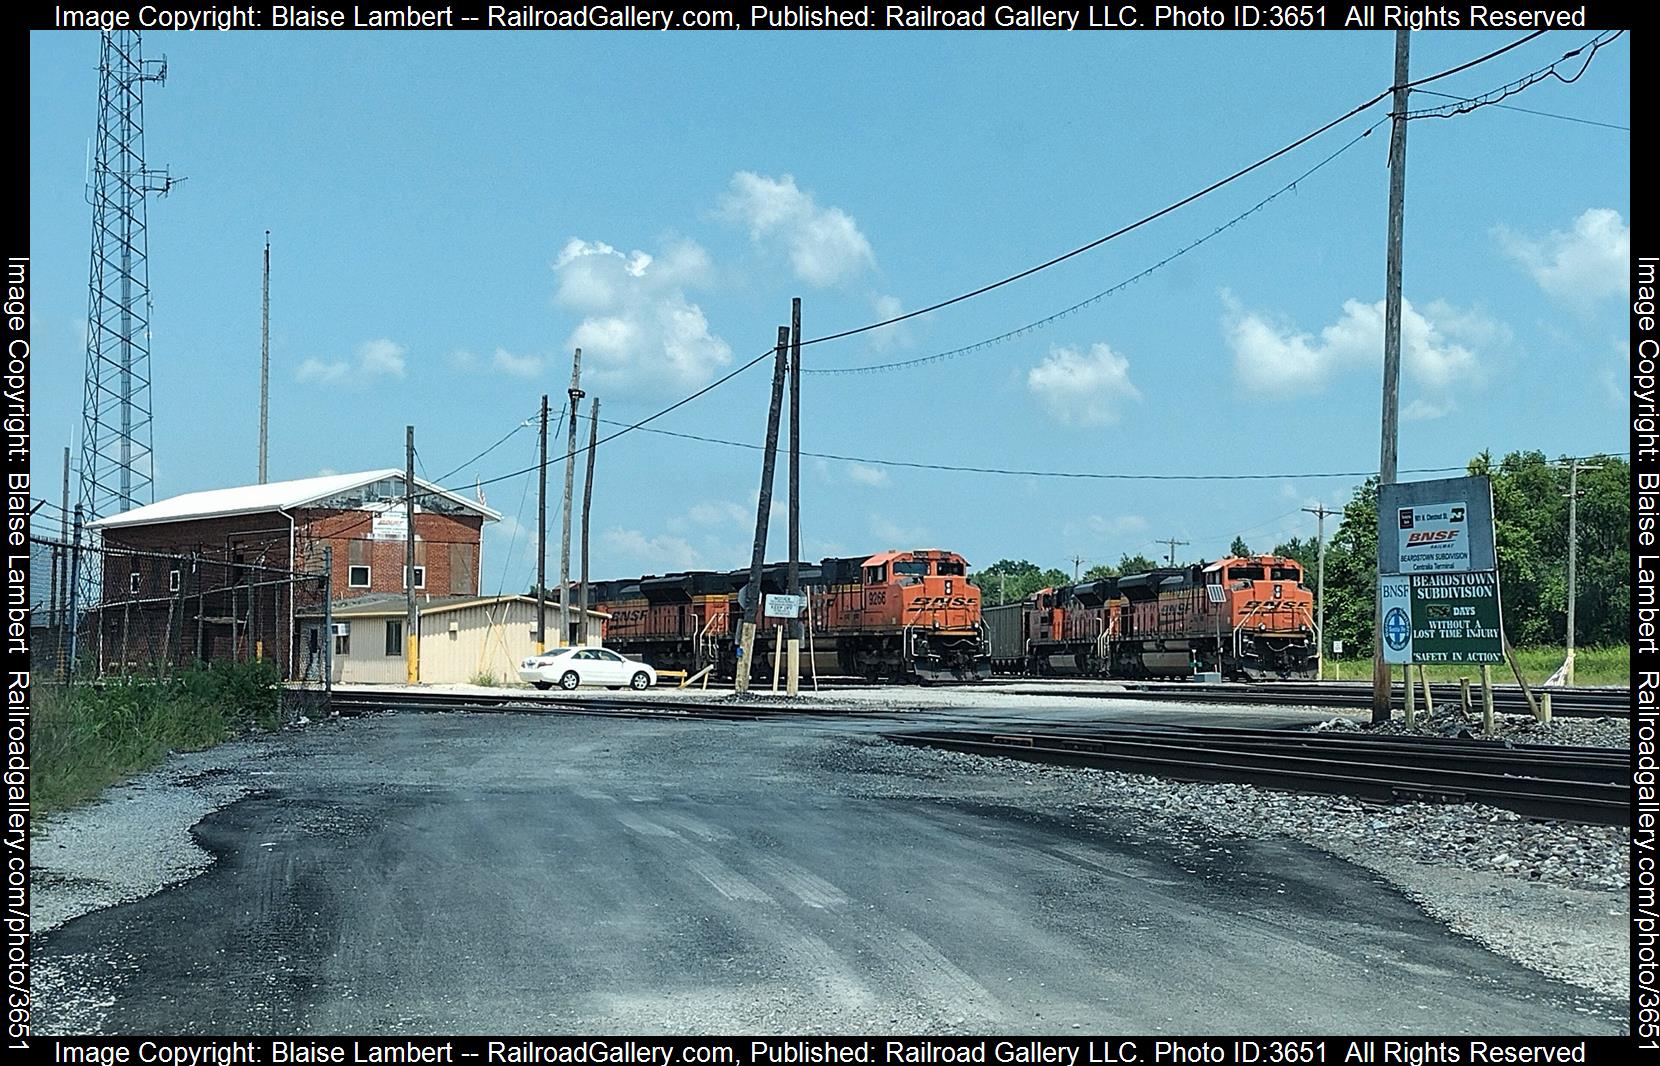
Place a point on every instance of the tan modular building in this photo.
(463, 638)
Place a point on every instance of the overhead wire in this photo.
(981, 345)
(1492, 97)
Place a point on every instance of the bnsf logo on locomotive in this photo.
(625, 618)
(936, 602)
(1431, 536)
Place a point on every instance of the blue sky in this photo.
(452, 212)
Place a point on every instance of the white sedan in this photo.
(570, 667)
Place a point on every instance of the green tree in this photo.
(1239, 547)
(1306, 552)
(1099, 571)
(1136, 564)
(1009, 580)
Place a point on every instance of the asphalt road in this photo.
(544, 874)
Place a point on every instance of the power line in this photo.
(1120, 286)
(1492, 97)
(1084, 474)
(1529, 111)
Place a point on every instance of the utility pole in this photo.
(265, 358)
(412, 638)
(1174, 544)
(1078, 561)
(763, 510)
(542, 537)
(587, 504)
(792, 653)
(575, 393)
(60, 576)
(1320, 511)
(1574, 467)
(1391, 349)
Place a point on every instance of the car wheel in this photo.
(641, 680)
(543, 685)
(569, 680)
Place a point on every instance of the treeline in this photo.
(1530, 511)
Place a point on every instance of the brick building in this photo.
(214, 567)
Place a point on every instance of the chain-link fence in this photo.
(109, 611)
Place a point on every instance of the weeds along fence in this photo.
(119, 612)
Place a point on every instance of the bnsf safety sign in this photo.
(1433, 538)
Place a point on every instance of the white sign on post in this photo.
(1433, 538)
(784, 606)
(1337, 647)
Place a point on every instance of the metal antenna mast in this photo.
(117, 466)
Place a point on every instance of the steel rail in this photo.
(1345, 772)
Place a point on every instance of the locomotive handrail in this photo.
(1243, 622)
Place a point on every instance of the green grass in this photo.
(1592, 666)
(486, 679)
(85, 739)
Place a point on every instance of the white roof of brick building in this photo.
(272, 496)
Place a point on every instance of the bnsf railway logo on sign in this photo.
(1433, 538)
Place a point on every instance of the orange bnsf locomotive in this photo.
(1243, 617)
(905, 616)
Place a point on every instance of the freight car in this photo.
(906, 616)
(1243, 617)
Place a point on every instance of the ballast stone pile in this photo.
(1507, 728)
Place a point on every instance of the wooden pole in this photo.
(1463, 697)
(575, 393)
(412, 638)
(763, 509)
(793, 686)
(1411, 704)
(1391, 346)
(542, 537)
(1429, 699)
(587, 506)
(1544, 707)
(1516, 668)
(777, 657)
(1486, 700)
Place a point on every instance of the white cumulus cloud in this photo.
(1586, 263)
(519, 366)
(824, 243)
(631, 551)
(374, 359)
(639, 329)
(1438, 350)
(864, 474)
(1083, 388)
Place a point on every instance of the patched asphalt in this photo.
(506, 873)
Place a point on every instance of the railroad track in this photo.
(1562, 784)
(1565, 702)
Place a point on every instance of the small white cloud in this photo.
(824, 243)
(461, 359)
(315, 370)
(865, 474)
(887, 307)
(631, 550)
(1591, 261)
(639, 329)
(519, 366)
(1269, 357)
(381, 356)
(376, 358)
(1080, 388)
(720, 513)
(895, 536)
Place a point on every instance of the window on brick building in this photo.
(135, 581)
(357, 577)
(420, 577)
(172, 581)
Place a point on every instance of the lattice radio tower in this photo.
(117, 467)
